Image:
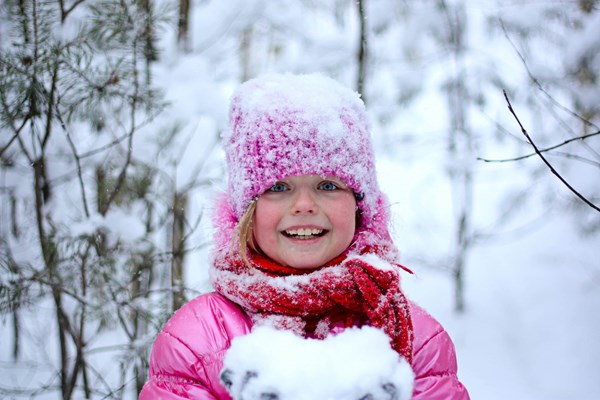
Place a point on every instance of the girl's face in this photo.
(305, 221)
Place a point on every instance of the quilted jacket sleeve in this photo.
(434, 361)
(187, 355)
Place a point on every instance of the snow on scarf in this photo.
(351, 290)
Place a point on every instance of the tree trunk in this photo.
(460, 150)
(178, 248)
(183, 25)
(362, 51)
(245, 51)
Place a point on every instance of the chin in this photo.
(305, 267)
(308, 264)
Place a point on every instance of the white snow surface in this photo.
(347, 366)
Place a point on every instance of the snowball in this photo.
(347, 366)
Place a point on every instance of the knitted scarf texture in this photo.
(351, 290)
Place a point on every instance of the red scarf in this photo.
(353, 290)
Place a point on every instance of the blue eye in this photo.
(328, 186)
(278, 187)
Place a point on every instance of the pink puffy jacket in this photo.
(187, 356)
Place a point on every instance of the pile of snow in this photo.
(355, 364)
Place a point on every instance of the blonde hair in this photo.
(246, 238)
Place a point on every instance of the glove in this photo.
(245, 387)
(388, 391)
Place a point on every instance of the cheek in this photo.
(265, 221)
(344, 218)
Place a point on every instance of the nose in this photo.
(304, 202)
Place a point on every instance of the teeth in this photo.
(303, 232)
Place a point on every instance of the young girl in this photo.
(302, 244)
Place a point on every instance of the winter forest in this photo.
(110, 121)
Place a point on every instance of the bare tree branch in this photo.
(544, 150)
(77, 160)
(64, 12)
(539, 85)
(132, 130)
(16, 130)
(539, 153)
(578, 158)
(14, 137)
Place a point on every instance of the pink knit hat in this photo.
(288, 125)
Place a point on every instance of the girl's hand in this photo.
(388, 391)
(245, 386)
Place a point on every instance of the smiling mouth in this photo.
(304, 233)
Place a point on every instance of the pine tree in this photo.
(75, 90)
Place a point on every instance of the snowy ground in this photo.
(531, 328)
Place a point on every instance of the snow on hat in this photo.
(289, 125)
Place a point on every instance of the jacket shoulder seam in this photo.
(200, 356)
(438, 332)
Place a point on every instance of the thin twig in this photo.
(64, 11)
(544, 150)
(557, 154)
(77, 160)
(17, 132)
(132, 129)
(578, 158)
(539, 85)
(539, 153)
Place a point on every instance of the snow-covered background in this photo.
(531, 324)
